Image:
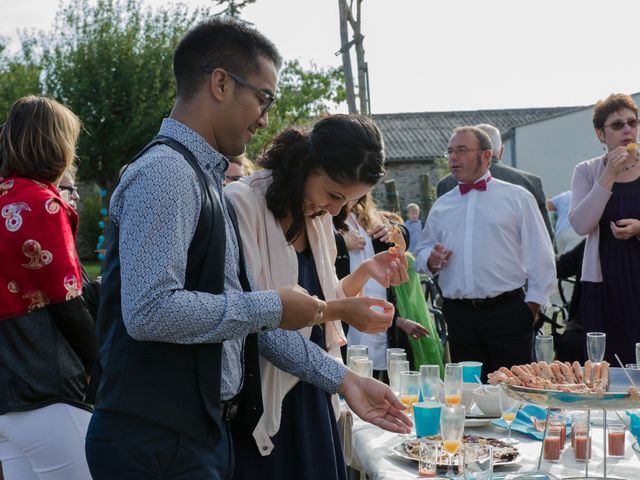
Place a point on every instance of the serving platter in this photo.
(408, 449)
(617, 397)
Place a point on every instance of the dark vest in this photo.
(174, 385)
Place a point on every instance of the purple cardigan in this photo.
(588, 201)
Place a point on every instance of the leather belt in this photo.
(488, 302)
(228, 410)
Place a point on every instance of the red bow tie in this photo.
(479, 185)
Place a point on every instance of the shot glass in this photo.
(362, 366)
(615, 440)
(428, 460)
(552, 447)
(356, 351)
(478, 461)
(581, 442)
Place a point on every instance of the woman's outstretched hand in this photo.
(374, 402)
(359, 313)
(388, 270)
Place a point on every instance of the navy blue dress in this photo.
(613, 306)
(308, 445)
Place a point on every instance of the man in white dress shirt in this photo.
(487, 239)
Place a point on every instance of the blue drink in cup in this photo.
(470, 370)
(426, 417)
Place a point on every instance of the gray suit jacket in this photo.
(529, 181)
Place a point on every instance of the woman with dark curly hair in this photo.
(284, 212)
(47, 340)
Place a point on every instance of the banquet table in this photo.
(372, 455)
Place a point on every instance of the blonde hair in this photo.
(38, 139)
(392, 217)
(244, 162)
(413, 207)
(366, 212)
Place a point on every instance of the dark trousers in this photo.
(125, 447)
(497, 334)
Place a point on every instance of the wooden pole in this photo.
(426, 195)
(393, 202)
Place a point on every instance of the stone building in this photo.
(415, 143)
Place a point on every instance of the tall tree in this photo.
(19, 74)
(232, 8)
(351, 16)
(111, 63)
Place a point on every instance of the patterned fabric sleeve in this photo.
(37, 244)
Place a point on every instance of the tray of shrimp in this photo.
(566, 385)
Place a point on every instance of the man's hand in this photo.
(411, 328)
(358, 312)
(374, 402)
(387, 270)
(439, 258)
(353, 240)
(299, 309)
(626, 228)
(534, 308)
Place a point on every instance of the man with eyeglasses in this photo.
(181, 323)
(499, 170)
(486, 240)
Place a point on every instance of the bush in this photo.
(89, 230)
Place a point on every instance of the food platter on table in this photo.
(503, 453)
(614, 393)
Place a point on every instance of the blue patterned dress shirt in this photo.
(156, 206)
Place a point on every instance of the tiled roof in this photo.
(420, 136)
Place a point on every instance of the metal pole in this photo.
(604, 441)
(586, 466)
(544, 435)
(366, 77)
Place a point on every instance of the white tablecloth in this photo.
(372, 455)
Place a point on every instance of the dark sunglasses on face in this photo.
(266, 97)
(619, 124)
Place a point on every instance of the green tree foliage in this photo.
(111, 63)
(302, 97)
(19, 74)
(88, 229)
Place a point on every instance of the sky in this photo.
(442, 55)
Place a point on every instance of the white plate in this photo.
(480, 419)
(478, 422)
(398, 451)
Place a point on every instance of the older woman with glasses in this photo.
(605, 206)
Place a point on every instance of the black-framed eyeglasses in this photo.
(619, 124)
(462, 151)
(268, 99)
(71, 190)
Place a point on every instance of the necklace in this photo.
(634, 164)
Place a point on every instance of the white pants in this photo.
(44, 444)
